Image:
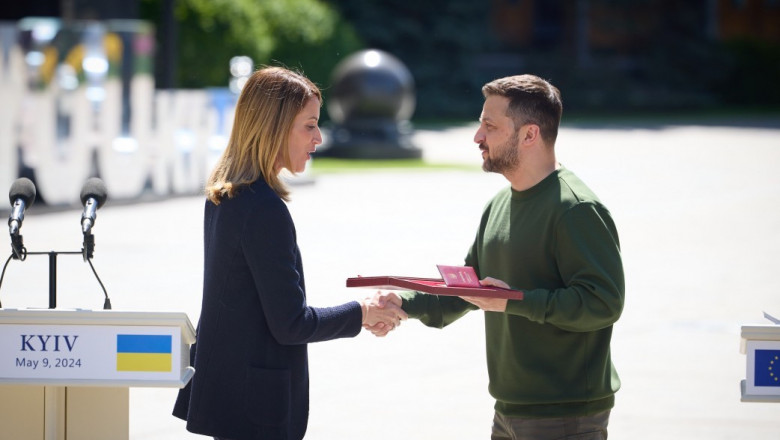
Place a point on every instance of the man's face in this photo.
(497, 138)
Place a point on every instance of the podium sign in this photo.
(65, 374)
(70, 353)
(761, 345)
(95, 348)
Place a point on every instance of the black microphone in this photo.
(22, 196)
(93, 196)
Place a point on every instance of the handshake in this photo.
(382, 313)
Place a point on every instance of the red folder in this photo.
(435, 286)
(459, 276)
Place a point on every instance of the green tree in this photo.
(304, 34)
(440, 41)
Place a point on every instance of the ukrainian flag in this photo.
(143, 353)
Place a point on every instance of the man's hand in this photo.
(385, 300)
(489, 304)
(383, 313)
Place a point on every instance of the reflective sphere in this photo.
(371, 101)
(371, 84)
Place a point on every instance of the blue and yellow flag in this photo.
(143, 353)
(767, 372)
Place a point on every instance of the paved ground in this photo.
(698, 213)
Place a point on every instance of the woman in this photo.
(251, 369)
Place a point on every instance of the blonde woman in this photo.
(251, 368)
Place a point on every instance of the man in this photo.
(548, 235)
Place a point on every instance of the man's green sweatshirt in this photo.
(548, 354)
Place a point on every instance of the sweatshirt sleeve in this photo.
(587, 252)
(436, 311)
(439, 311)
(272, 254)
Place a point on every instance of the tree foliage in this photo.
(440, 41)
(286, 32)
(654, 61)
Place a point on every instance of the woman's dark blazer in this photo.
(251, 368)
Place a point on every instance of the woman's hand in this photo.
(382, 313)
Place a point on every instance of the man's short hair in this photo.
(532, 100)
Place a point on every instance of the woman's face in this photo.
(305, 135)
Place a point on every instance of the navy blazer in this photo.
(251, 366)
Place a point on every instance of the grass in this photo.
(718, 115)
(328, 165)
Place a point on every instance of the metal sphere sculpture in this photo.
(371, 100)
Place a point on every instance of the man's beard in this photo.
(506, 156)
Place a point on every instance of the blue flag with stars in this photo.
(767, 372)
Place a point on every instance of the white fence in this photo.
(78, 101)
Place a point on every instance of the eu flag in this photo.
(767, 372)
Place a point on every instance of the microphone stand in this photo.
(53, 273)
(19, 252)
(86, 252)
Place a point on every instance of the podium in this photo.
(761, 346)
(65, 374)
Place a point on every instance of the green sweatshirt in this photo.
(548, 355)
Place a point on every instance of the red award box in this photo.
(431, 285)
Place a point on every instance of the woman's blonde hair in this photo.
(269, 102)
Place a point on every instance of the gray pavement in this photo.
(698, 214)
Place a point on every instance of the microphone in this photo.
(93, 196)
(22, 196)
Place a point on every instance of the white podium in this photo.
(65, 374)
(761, 345)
